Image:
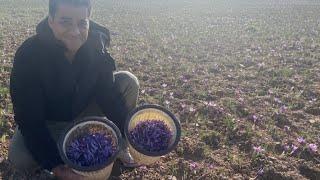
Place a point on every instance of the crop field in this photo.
(242, 76)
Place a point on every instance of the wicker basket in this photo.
(91, 124)
(151, 112)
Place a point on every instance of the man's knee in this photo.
(126, 78)
(19, 156)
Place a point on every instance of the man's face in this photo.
(70, 25)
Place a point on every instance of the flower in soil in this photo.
(193, 165)
(286, 128)
(210, 104)
(301, 140)
(184, 79)
(144, 168)
(171, 95)
(287, 148)
(283, 109)
(260, 172)
(255, 118)
(191, 109)
(164, 85)
(258, 149)
(294, 149)
(270, 91)
(167, 102)
(277, 100)
(151, 135)
(90, 149)
(313, 147)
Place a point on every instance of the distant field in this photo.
(243, 77)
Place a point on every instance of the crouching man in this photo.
(59, 75)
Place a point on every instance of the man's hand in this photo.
(62, 172)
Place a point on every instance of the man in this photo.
(59, 75)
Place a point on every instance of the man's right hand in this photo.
(62, 172)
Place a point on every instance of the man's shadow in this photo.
(118, 169)
(8, 172)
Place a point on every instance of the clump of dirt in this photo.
(310, 172)
(212, 139)
(191, 149)
(314, 110)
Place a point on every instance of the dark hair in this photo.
(53, 4)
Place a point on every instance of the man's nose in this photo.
(75, 31)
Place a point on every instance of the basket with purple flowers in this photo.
(90, 147)
(151, 132)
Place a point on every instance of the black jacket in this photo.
(44, 85)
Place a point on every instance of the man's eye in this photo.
(83, 24)
(66, 23)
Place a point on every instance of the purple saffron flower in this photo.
(313, 147)
(255, 118)
(193, 165)
(212, 104)
(260, 172)
(191, 109)
(258, 149)
(277, 100)
(294, 149)
(143, 168)
(301, 140)
(283, 109)
(183, 105)
(171, 95)
(90, 149)
(287, 148)
(151, 135)
(286, 128)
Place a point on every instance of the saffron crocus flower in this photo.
(151, 135)
(164, 85)
(260, 172)
(193, 165)
(270, 91)
(287, 148)
(183, 105)
(143, 168)
(294, 149)
(212, 104)
(283, 109)
(286, 128)
(90, 149)
(255, 118)
(191, 109)
(258, 149)
(301, 140)
(313, 147)
(277, 100)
